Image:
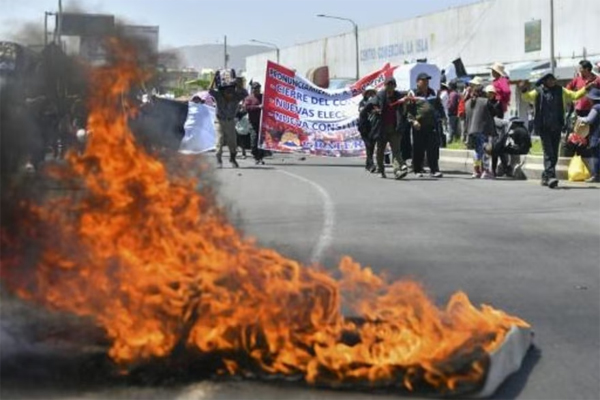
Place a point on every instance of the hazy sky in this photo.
(186, 22)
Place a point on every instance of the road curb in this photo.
(532, 166)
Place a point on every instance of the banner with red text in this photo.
(301, 117)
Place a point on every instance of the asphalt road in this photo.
(525, 249)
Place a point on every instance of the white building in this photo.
(513, 32)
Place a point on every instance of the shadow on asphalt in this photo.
(577, 188)
(320, 165)
(514, 385)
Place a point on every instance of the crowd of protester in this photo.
(417, 123)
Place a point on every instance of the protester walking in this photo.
(424, 112)
(227, 99)
(593, 120)
(253, 105)
(388, 126)
(550, 101)
(365, 128)
(481, 128)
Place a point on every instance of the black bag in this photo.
(519, 140)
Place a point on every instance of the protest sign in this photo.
(299, 116)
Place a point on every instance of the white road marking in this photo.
(326, 236)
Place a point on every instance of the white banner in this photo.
(200, 135)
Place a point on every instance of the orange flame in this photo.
(157, 265)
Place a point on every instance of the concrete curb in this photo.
(532, 166)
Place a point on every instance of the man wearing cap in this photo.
(550, 101)
(388, 126)
(253, 105)
(424, 112)
(501, 85)
(584, 77)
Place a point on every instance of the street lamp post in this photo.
(355, 25)
(270, 45)
(552, 58)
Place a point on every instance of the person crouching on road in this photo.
(593, 120)
(365, 128)
(550, 101)
(480, 127)
(424, 112)
(228, 100)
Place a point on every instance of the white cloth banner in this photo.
(200, 135)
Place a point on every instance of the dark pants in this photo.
(393, 137)
(595, 150)
(406, 146)
(427, 140)
(453, 128)
(257, 152)
(370, 149)
(550, 144)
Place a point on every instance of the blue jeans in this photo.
(480, 158)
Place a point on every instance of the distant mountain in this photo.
(211, 55)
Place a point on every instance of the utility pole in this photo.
(46, 15)
(552, 59)
(225, 55)
(58, 28)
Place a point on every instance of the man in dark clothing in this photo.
(228, 100)
(424, 111)
(387, 126)
(550, 101)
(253, 105)
(365, 128)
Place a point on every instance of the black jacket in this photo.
(381, 101)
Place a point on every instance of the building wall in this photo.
(481, 33)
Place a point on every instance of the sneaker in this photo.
(234, 163)
(437, 175)
(219, 161)
(382, 175)
(401, 173)
(476, 175)
(373, 169)
(593, 179)
(418, 174)
(487, 175)
(544, 182)
(553, 183)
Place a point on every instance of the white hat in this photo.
(477, 81)
(490, 89)
(499, 68)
